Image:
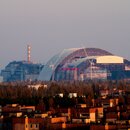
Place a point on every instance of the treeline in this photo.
(22, 94)
(48, 92)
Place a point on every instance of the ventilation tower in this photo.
(28, 53)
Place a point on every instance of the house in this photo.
(96, 114)
(104, 93)
(111, 117)
(27, 108)
(57, 120)
(81, 105)
(25, 123)
(72, 95)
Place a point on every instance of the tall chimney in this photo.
(28, 53)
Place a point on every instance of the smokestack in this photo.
(28, 53)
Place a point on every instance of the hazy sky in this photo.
(49, 26)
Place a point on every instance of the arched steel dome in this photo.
(65, 57)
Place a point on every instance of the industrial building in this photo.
(81, 64)
(21, 71)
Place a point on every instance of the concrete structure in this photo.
(1, 79)
(21, 71)
(85, 64)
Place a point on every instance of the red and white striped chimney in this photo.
(28, 53)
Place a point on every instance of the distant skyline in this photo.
(49, 26)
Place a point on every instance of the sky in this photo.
(50, 26)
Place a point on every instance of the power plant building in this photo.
(21, 71)
(85, 64)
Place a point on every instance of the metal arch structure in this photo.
(48, 71)
(67, 56)
(81, 53)
(91, 64)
